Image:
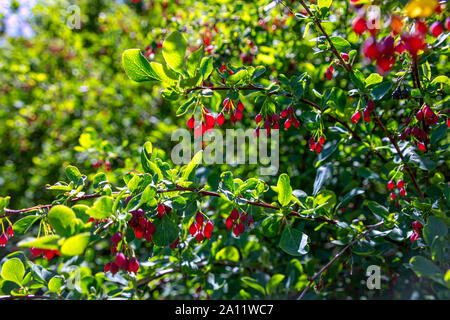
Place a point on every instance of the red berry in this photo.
(192, 229)
(359, 25)
(366, 115)
(10, 231)
(49, 254)
(199, 218)
(229, 222)
(114, 268)
(191, 123)
(238, 115)
(321, 140)
(413, 43)
(3, 240)
(236, 230)
(370, 105)
(220, 119)
(287, 124)
(240, 106)
(258, 118)
(116, 238)
(419, 115)
(402, 192)
(35, 251)
(209, 227)
(421, 27)
(391, 185)
(133, 265)
(210, 121)
(107, 267)
(421, 146)
(283, 113)
(392, 195)
(318, 148)
(121, 261)
(167, 210)
(161, 210)
(329, 74)
(241, 227)
(400, 184)
(416, 225)
(447, 24)
(370, 49)
(199, 237)
(234, 214)
(345, 56)
(355, 117)
(436, 29)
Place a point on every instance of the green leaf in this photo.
(323, 174)
(193, 61)
(324, 4)
(380, 90)
(373, 79)
(63, 220)
(425, 268)
(206, 67)
(434, 228)
(358, 79)
(73, 174)
(229, 253)
(164, 74)
(99, 180)
(55, 284)
(81, 212)
(166, 232)
(252, 283)
(137, 67)
(23, 225)
(423, 163)
(237, 76)
(13, 270)
(226, 179)
(102, 208)
(378, 209)
(274, 282)
(192, 166)
(185, 106)
(174, 50)
(48, 242)
(340, 43)
(284, 190)
(75, 246)
(439, 133)
(294, 242)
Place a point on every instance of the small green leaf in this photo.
(229, 253)
(174, 50)
(102, 208)
(73, 174)
(75, 245)
(294, 242)
(206, 67)
(62, 219)
(284, 190)
(373, 79)
(378, 209)
(13, 270)
(324, 4)
(425, 268)
(185, 106)
(48, 242)
(23, 225)
(192, 166)
(193, 61)
(137, 66)
(340, 43)
(166, 232)
(55, 284)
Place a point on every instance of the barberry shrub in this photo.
(359, 97)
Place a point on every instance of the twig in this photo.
(340, 253)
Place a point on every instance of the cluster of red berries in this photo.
(208, 123)
(427, 115)
(366, 113)
(197, 230)
(316, 146)
(416, 226)
(400, 185)
(121, 262)
(141, 225)
(5, 236)
(97, 164)
(230, 108)
(47, 254)
(272, 121)
(383, 52)
(236, 220)
(206, 37)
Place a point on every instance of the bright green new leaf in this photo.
(13, 270)
(63, 220)
(75, 245)
(102, 208)
(284, 190)
(174, 49)
(137, 66)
